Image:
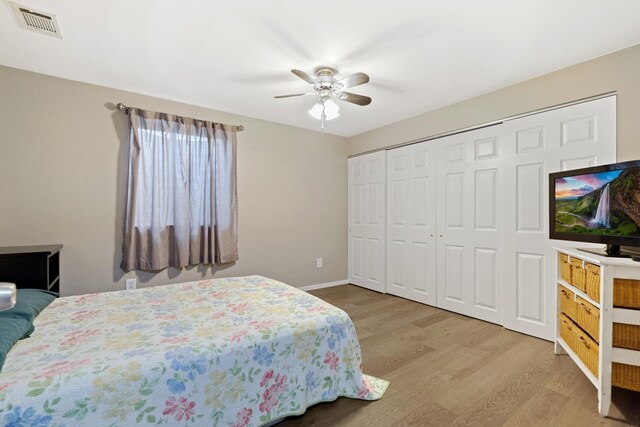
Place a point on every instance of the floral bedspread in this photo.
(233, 352)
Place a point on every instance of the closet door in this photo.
(367, 225)
(469, 224)
(411, 229)
(567, 138)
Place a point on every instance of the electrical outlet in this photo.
(319, 262)
(130, 284)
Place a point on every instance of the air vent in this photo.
(37, 21)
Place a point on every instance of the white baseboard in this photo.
(323, 285)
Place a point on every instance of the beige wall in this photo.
(62, 153)
(619, 71)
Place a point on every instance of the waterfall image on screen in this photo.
(602, 212)
(604, 203)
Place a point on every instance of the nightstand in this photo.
(35, 267)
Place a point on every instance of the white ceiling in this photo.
(236, 55)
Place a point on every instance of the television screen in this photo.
(599, 204)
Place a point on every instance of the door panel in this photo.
(367, 221)
(485, 265)
(529, 204)
(454, 200)
(357, 260)
(453, 263)
(530, 287)
(412, 223)
(469, 229)
(567, 138)
(485, 199)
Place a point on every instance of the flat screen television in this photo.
(599, 204)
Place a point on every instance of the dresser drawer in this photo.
(580, 342)
(588, 351)
(568, 331)
(565, 267)
(625, 376)
(568, 304)
(626, 336)
(578, 274)
(588, 317)
(592, 281)
(626, 293)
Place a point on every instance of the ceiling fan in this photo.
(326, 86)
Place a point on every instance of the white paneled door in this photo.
(411, 222)
(470, 224)
(572, 137)
(367, 224)
(467, 221)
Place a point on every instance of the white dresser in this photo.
(598, 321)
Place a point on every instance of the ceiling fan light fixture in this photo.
(316, 110)
(331, 109)
(327, 107)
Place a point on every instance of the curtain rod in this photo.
(120, 106)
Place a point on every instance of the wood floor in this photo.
(447, 369)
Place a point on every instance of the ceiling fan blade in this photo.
(354, 98)
(354, 80)
(304, 76)
(295, 94)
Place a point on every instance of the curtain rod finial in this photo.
(120, 106)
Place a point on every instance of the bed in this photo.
(238, 351)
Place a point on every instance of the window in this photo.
(181, 206)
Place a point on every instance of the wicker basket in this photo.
(626, 293)
(588, 318)
(567, 302)
(592, 279)
(582, 345)
(625, 376)
(568, 331)
(565, 267)
(587, 351)
(626, 336)
(578, 274)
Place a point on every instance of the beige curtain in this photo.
(181, 204)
